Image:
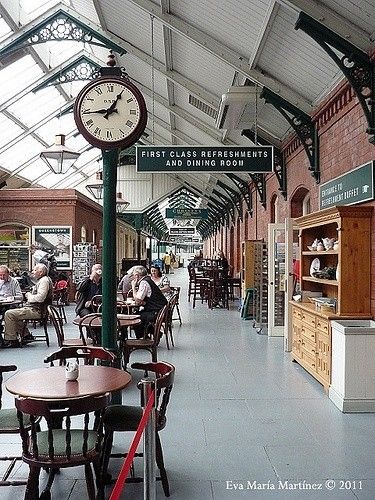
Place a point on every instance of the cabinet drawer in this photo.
(308, 346)
(308, 358)
(308, 319)
(297, 313)
(308, 334)
(322, 325)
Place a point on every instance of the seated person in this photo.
(9, 287)
(86, 290)
(162, 281)
(149, 295)
(35, 307)
(125, 284)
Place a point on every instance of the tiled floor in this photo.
(243, 422)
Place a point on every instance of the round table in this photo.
(124, 320)
(51, 383)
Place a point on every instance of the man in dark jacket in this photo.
(87, 289)
(147, 294)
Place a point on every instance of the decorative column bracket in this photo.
(354, 63)
(227, 207)
(234, 197)
(259, 181)
(279, 164)
(80, 70)
(303, 126)
(57, 27)
(244, 189)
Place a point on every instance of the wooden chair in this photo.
(59, 301)
(88, 328)
(9, 425)
(120, 418)
(178, 290)
(96, 303)
(149, 344)
(168, 326)
(59, 448)
(89, 355)
(59, 329)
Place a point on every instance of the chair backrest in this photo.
(5, 369)
(89, 354)
(164, 375)
(96, 303)
(33, 443)
(171, 306)
(57, 324)
(159, 321)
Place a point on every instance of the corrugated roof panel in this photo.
(134, 26)
(190, 59)
(359, 12)
(221, 20)
(295, 58)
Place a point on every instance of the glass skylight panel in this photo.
(9, 130)
(17, 76)
(32, 108)
(5, 30)
(34, 171)
(20, 153)
(34, 8)
(70, 182)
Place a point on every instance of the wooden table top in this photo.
(124, 320)
(50, 383)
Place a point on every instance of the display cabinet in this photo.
(349, 263)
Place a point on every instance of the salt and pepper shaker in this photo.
(72, 370)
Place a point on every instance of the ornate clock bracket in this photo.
(303, 126)
(355, 64)
(59, 26)
(279, 164)
(81, 69)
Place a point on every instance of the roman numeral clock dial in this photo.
(110, 112)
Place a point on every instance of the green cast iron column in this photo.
(109, 289)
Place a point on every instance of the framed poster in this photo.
(56, 241)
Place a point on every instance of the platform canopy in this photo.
(190, 59)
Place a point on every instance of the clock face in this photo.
(110, 112)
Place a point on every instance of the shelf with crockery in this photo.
(349, 265)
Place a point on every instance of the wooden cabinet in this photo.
(311, 329)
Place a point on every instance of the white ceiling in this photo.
(199, 48)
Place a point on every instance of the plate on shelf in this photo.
(315, 266)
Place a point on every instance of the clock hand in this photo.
(112, 107)
(101, 111)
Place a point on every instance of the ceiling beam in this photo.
(269, 18)
(224, 53)
(332, 20)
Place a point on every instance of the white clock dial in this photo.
(109, 111)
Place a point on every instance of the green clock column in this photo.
(109, 287)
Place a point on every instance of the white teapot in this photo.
(328, 243)
(72, 370)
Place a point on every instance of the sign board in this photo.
(204, 159)
(355, 186)
(186, 213)
(181, 230)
